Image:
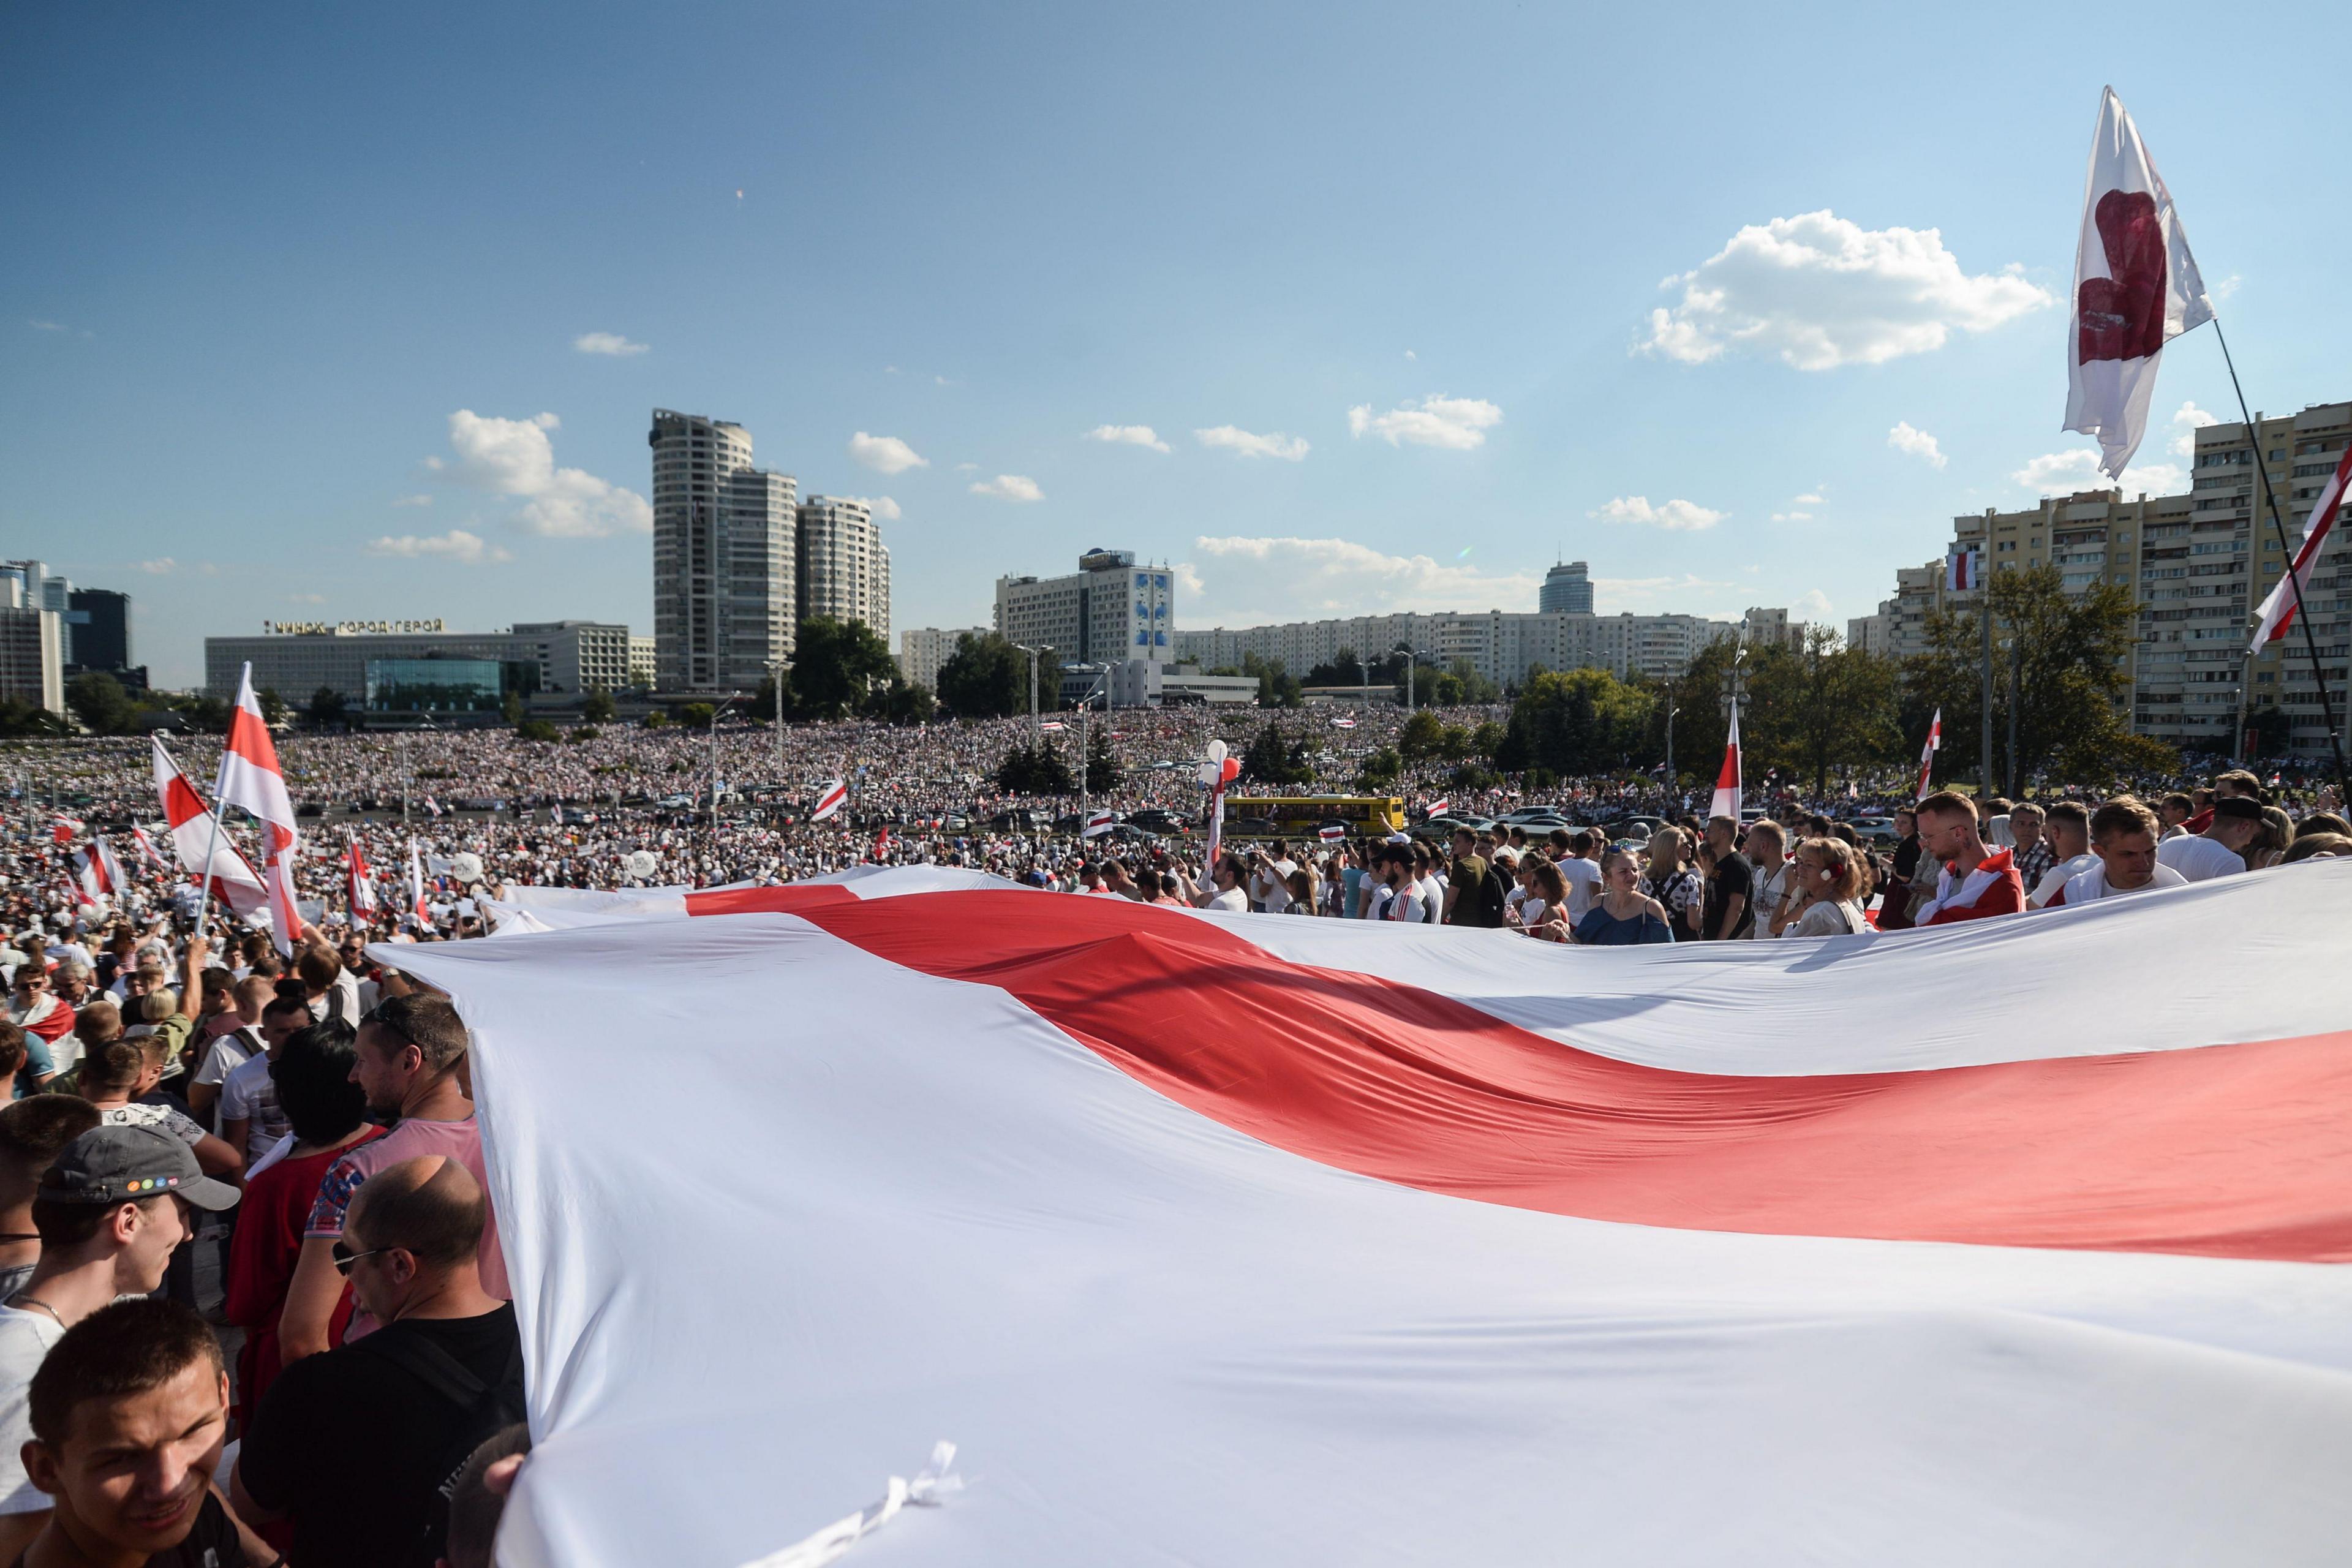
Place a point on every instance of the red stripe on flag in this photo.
(2232, 1151)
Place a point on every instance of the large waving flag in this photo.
(1256, 1241)
(195, 835)
(1727, 780)
(250, 777)
(1928, 752)
(358, 881)
(2277, 612)
(2135, 288)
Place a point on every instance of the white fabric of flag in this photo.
(2277, 611)
(1159, 1337)
(2137, 288)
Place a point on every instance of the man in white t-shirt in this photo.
(2067, 826)
(98, 1242)
(1766, 846)
(1581, 871)
(2123, 836)
(2220, 850)
(250, 1121)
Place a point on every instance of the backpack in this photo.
(487, 1411)
(1489, 898)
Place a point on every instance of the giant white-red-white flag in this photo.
(250, 777)
(2135, 288)
(1928, 752)
(2277, 612)
(193, 835)
(1255, 1241)
(1727, 780)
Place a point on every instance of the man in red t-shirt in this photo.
(1977, 882)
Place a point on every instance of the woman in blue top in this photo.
(1622, 916)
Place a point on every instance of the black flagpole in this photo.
(2310, 639)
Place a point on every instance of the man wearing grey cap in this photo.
(111, 1210)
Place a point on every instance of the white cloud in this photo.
(2188, 422)
(1919, 443)
(1792, 517)
(1274, 444)
(162, 566)
(1127, 436)
(1238, 581)
(467, 549)
(612, 343)
(2227, 286)
(1813, 605)
(41, 326)
(882, 507)
(1010, 487)
(885, 453)
(1822, 291)
(412, 501)
(1810, 498)
(1457, 423)
(1410, 355)
(514, 458)
(2062, 473)
(1677, 516)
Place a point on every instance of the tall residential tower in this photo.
(726, 557)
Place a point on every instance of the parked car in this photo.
(1874, 829)
(1152, 819)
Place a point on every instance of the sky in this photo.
(343, 312)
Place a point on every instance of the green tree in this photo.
(20, 719)
(536, 729)
(1487, 739)
(1103, 771)
(836, 663)
(987, 678)
(273, 706)
(99, 701)
(1275, 758)
(1340, 670)
(1035, 770)
(899, 703)
(696, 715)
(1418, 737)
(1277, 686)
(580, 736)
(327, 708)
(1382, 769)
(1576, 721)
(597, 707)
(1819, 705)
(658, 720)
(2071, 713)
(511, 708)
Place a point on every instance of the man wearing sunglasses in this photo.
(36, 1007)
(410, 1059)
(354, 1444)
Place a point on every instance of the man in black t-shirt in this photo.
(356, 1444)
(129, 1412)
(1730, 910)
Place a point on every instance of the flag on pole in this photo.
(2135, 288)
(1343, 723)
(830, 800)
(194, 832)
(147, 850)
(1928, 752)
(62, 829)
(1099, 822)
(416, 904)
(1439, 807)
(2277, 613)
(251, 778)
(1963, 571)
(1727, 782)
(359, 880)
(1331, 833)
(1053, 724)
(432, 806)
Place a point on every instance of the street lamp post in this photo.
(715, 712)
(1084, 703)
(1035, 734)
(777, 669)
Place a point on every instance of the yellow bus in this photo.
(1302, 815)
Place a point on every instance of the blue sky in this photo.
(292, 317)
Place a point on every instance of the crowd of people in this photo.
(253, 1305)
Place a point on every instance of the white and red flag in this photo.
(1253, 1241)
(2135, 288)
(1439, 807)
(1928, 752)
(359, 880)
(830, 800)
(194, 835)
(63, 829)
(1963, 571)
(1053, 724)
(2277, 612)
(147, 850)
(1727, 780)
(1098, 823)
(1343, 723)
(251, 778)
(1331, 833)
(418, 905)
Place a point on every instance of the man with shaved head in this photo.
(356, 1446)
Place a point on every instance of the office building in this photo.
(642, 663)
(726, 559)
(41, 591)
(562, 658)
(845, 570)
(922, 649)
(32, 643)
(1108, 611)
(100, 623)
(1567, 591)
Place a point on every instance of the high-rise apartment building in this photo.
(41, 591)
(1567, 591)
(1501, 644)
(726, 560)
(844, 568)
(32, 643)
(922, 649)
(2195, 564)
(1108, 611)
